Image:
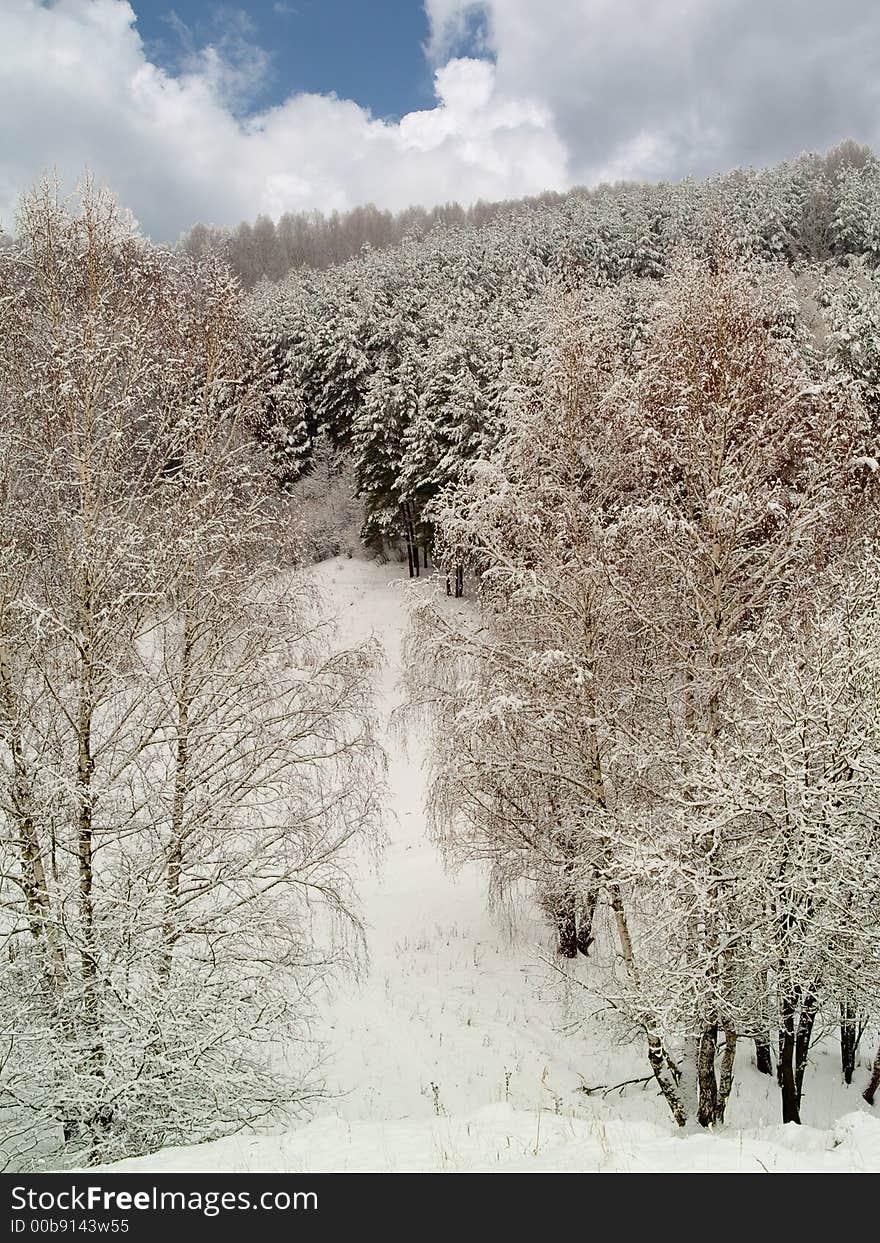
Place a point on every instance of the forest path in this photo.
(450, 1014)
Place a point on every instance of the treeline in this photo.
(266, 249)
(312, 239)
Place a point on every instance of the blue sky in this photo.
(369, 52)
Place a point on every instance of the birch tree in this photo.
(740, 483)
(188, 756)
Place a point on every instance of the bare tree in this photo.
(188, 758)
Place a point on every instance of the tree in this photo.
(644, 526)
(529, 701)
(186, 760)
(807, 814)
(740, 478)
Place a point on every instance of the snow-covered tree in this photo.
(802, 798)
(740, 478)
(663, 502)
(529, 700)
(185, 760)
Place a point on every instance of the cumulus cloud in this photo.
(666, 88)
(77, 89)
(528, 96)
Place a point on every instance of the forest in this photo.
(627, 440)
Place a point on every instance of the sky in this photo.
(196, 111)
(367, 52)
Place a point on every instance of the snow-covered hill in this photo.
(460, 1049)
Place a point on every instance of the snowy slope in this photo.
(460, 1050)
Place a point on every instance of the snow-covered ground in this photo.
(460, 1050)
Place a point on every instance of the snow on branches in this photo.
(667, 694)
(185, 757)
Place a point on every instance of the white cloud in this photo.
(663, 88)
(575, 90)
(77, 90)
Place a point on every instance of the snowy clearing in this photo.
(459, 1050)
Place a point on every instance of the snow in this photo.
(461, 1049)
(499, 1138)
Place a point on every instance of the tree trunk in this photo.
(707, 1108)
(660, 1066)
(572, 912)
(725, 1083)
(809, 1006)
(585, 919)
(688, 1084)
(560, 901)
(33, 872)
(85, 769)
(786, 1067)
(412, 544)
(566, 929)
(763, 1055)
(98, 1120)
(658, 1059)
(849, 1040)
(874, 1084)
(763, 1050)
(170, 932)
